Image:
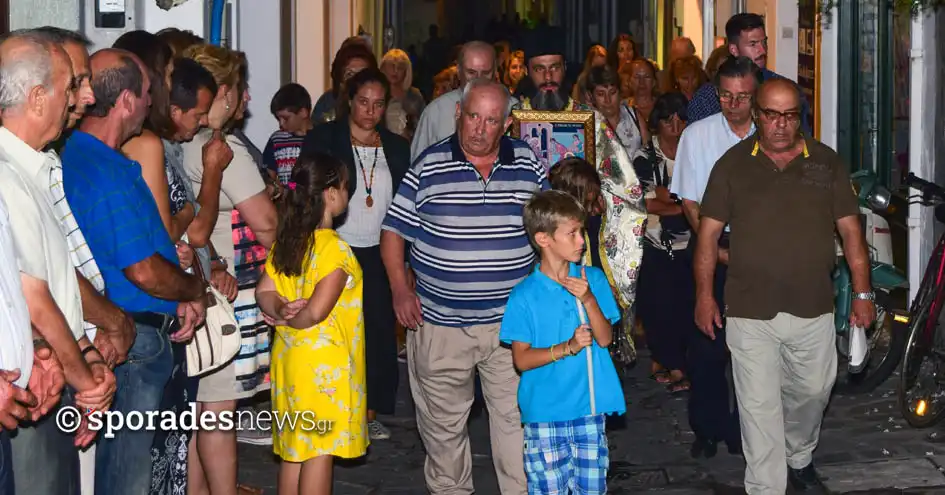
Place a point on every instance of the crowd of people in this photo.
(131, 200)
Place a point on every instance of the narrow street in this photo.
(865, 448)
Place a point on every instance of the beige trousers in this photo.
(783, 369)
(441, 363)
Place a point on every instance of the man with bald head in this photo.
(784, 194)
(681, 47)
(114, 208)
(438, 121)
(467, 255)
(36, 94)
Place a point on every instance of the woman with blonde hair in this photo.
(406, 103)
(685, 76)
(242, 223)
(447, 80)
(515, 71)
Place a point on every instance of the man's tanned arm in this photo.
(855, 252)
(160, 278)
(99, 311)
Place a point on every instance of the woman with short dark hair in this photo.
(377, 160)
(353, 56)
(666, 292)
(603, 93)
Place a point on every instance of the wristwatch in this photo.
(864, 296)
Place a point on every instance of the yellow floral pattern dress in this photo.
(318, 372)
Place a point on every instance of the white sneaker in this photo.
(254, 434)
(859, 350)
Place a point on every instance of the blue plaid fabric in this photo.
(564, 457)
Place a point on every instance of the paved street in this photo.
(865, 448)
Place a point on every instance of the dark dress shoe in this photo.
(734, 447)
(703, 448)
(805, 480)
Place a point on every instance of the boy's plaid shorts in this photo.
(567, 456)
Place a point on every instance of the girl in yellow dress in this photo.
(312, 289)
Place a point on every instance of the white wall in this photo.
(782, 34)
(190, 15)
(829, 83)
(35, 13)
(259, 38)
(924, 138)
(691, 21)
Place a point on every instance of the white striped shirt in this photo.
(79, 251)
(468, 242)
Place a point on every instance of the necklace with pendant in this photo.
(368, 183)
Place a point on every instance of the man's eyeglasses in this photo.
(791, 116)
(727, 97)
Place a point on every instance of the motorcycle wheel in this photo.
(887, 341)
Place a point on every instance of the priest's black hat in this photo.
(541, 41)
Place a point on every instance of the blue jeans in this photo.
(41, 448)
(123, 463)
(6, 464)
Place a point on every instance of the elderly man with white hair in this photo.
(36, 95)
(460, 207)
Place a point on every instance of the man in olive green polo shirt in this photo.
(784, 195)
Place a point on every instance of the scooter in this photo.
(886, 338)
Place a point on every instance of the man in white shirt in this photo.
(16, 351)
(704, 142)
(438, 120)
(711, 417)
(36, 93)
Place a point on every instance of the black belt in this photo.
(148, 318)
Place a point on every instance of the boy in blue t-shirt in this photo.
(565, 442)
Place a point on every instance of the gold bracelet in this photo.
(551, 350)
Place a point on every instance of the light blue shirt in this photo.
(700, 146)
(542, 313)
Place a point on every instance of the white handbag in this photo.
(218, 339)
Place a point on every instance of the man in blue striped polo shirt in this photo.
(460, 207)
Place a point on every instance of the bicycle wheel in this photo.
(922, 381)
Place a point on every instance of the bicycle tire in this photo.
(927, 294)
